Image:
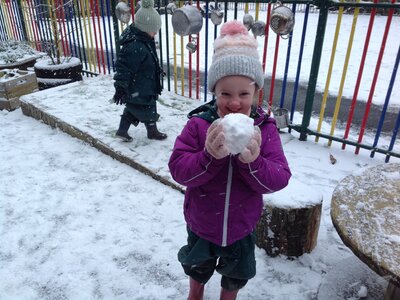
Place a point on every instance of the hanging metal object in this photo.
(248, 21)
(281, 116)
(216, 14)
(282, 20)
(258, 28)
(192, 45)
(187, 20)
(123, 12)
(171, 7)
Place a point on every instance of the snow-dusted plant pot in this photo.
(51, 75)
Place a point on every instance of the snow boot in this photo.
(153, 133)
(228, 295)
(122, 131)
(196, 290)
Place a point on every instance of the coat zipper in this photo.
(226, 209)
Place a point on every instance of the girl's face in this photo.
(235, 94)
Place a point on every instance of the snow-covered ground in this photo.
(76, 224)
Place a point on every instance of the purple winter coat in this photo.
(223, 198)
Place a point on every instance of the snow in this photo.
(295, 195)
(238, 130)
(77, 224)
(363, 292)
(9, 74)
(367, 214)
(66, 62)
(12, 52)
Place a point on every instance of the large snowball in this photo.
(238, 130)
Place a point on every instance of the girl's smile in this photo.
(235, 94)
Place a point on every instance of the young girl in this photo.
(223, 199)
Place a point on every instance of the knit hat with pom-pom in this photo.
(147, 18)
(235, 53)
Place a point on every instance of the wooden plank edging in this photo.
(30, 110)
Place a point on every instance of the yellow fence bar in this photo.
(90, 59)
(257, 11)
(182, 68)
(92, 46)
(7, 20)
(175, 67)
(345, 67)
(29, 31)
(328, 79)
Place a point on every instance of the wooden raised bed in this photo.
(14, 84)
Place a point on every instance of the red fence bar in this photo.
(377, 68)
(18, 17)
(34, 25)
(266, 35)
(59, 12)
(92, 11)
(360, 73)
(12, 20)
(271, 90)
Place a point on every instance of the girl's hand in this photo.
(215, 141)
(252, 150)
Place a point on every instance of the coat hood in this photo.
(209, 113)
(132, 33)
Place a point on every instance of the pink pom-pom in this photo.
(232, 28)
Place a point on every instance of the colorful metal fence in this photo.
(327, 79)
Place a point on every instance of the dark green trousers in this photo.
(236, 263)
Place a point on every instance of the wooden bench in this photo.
(366, 214)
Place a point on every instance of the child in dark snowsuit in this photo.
(223, 198)
(138, 74)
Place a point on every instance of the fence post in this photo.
(115, 25)
(315, 62)
(22, 19)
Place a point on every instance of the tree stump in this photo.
(290, 221)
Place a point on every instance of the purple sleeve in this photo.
(190, 164)
(270, 171)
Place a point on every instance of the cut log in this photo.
(288, 231)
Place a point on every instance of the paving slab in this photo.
(83, 110)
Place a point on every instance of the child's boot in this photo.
(153, 133)
(196, 291)
(228, 295)
(122, 131)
